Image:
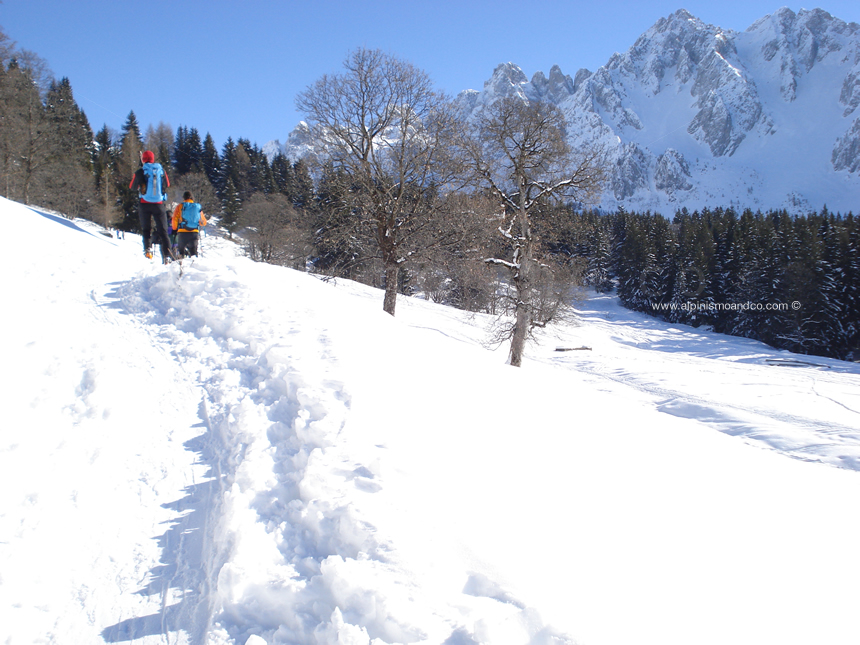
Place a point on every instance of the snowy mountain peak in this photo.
(555, 89)
(273, 148)
(797, 42)
(694, 115)
(506, 75)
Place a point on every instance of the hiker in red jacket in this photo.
(151, 183)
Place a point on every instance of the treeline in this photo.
(50, 156)
(791, 282)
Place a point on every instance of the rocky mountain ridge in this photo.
(693, 115)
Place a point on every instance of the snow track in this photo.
(792, 434)
(269, 407)
(709, 385)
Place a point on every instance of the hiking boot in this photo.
(148, 254)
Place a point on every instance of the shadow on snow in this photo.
(187, 556)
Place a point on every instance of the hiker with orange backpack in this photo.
(152, 182)
(188, 217)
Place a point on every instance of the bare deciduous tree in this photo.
(517, 151)
(274, 231)
(198, 185)
(386, 130)
(159, 139)
(7, 47)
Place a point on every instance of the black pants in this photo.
(148, 212)
(186, 243)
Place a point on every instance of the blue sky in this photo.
(233, 67)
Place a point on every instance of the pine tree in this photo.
(633, 261)
(723, 270)
(181, 163)
(25, 145)
(599, 255)
(194, 150)
(127, 161)
(231, 205)
(72, 131)
(301, 190)
(264, 180)
(282, 174)
(67, 183)
(830, 325)
(104, 169)
(188, 154)
(211, 162)
(851, 287)
(103, 156)
(338, 248)
(229, 171)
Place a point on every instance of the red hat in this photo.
(147, 156)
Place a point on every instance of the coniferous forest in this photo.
(792, 281)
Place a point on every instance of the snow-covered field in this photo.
(247, 454)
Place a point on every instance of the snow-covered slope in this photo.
(245, 454)
(694, 115)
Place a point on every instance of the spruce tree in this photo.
(194, 150)
(228, 171)
(211, 162)
(181, 156)
(231, 205)
(829, 322)
(599, 239)
(71, 129)
(282, 174)
(302, 188)
(67, 183)
(104, 169)
(851, 287)
(127, 161)
(26, 147)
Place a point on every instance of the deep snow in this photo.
(247, 454)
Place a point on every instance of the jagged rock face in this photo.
(630, 172)
(507, 79)
(850, 96)
(799, 41)
(672, 173)
(697, 60)
(693, 112)
(554, 89)
(846, 152)
(301, 143)
(728, 101)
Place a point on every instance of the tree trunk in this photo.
(523, 316)
(392, 272)
(522, 282)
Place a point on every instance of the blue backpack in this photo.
(154, 174)
(190, 216)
